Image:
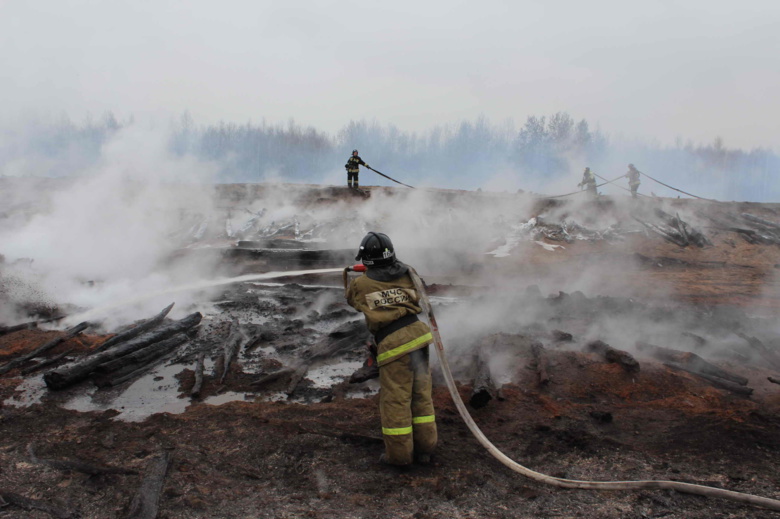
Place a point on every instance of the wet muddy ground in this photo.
(239, 452)
(245, 451)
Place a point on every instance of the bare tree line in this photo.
(462, 155)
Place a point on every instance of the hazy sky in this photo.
(651, 69)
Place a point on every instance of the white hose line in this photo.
(689, 488)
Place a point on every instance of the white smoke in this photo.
(103, 234)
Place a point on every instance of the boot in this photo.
(369, 370)
(402, 468)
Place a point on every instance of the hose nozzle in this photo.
(358, 267)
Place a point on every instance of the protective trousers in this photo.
(406, 407)
(352, 179)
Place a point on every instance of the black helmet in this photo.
(354, 151)
(376, 250)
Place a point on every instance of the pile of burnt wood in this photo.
(350, 336)
(569, 231)
(674, 229)
(128, 354)
(485, 388)
(752, 228)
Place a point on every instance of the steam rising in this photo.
(107, 238)
(102, 234)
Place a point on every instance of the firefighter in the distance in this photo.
(386, 295)
(353, 169)
(589, 182)
(633, 179)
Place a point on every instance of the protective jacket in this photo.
(633, 176)
(390, 307)
(588, 178)
(353, 164)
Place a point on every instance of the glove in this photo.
(368, 166)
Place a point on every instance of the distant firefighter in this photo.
(353, 169)
(588, 182)
(633, 179)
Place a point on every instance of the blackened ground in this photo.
(270, 459)
(281, 460)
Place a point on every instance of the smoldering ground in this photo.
(115, 227)
(109, 238)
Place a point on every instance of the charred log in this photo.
(690, 361)
(768, 355)
(76, 372)
(131, 370)
(668, 235)
(199, 366)
(230, 349)
(542, 363)
(682, 228)
(69, 334)
(699, 342)
(625, 359)
(147, 499)
(296, 378)
(45, 364)
(715, 381)
(18, 327)
(136, 330)
(345, 337)
(688, 234)
(272, 377)
(76, 466)
(10, 498)
(342, 338)
(120, 377)
(483, 389)
(143, 356)
(765, 223)
(773, 380)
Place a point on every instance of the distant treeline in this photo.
(467, 155)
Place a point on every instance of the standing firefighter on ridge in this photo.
(385, 294)
(353, 166)
(633, 179)
(589, 182)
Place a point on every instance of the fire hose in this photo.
(584, 190)
(389, 178)
(688, 488)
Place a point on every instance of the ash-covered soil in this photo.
(311, 448)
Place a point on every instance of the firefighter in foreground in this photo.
(385, 294)
(353, 169)
(589, 182)
(633, 179)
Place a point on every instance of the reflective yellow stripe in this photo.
(423, 419)
(405, 347)
(397, 431)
